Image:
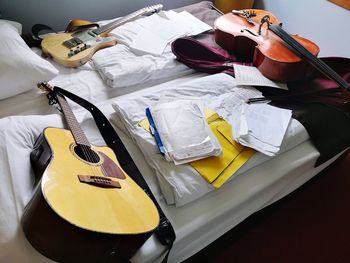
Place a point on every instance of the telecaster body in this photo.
(78, 55)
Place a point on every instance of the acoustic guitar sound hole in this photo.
(85, 153)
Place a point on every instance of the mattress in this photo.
(196, 224)
(198, 218)
(129, 71)
(85, 81)
(181, 184)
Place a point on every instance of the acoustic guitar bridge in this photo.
(100, 181)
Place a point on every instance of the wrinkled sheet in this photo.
(182, 184)
(196, 224)
(120, 66)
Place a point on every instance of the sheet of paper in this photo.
(245, 93)
(149, 43)
(267, 123)
(251, 76)
(260, 126)
(158, 30)
(164, 25)
(268, 149)
(188, 22)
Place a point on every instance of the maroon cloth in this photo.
(326, 117)
(318, 103)
(204, 57)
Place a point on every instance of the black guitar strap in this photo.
(164, 232)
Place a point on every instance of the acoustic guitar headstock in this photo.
(45, 87)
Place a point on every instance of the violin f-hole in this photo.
(250, 32)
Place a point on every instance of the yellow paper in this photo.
(216, 170)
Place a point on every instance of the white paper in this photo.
(267, 123)
(251, 76)
(158, 30)
(260, 126)
(164, 25)
(188, 22)
(148, 42)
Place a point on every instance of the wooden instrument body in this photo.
(53, 46)
(267, 51)
(66, 215)
(76, 48)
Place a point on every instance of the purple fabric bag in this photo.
(204, 57)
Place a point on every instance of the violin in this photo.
(257, 35)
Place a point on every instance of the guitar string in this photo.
(319, 64)
(312, 59)
(91, 156)
(71, 120)
(125, 19)
(70, 117)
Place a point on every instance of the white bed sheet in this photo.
(182, 184)
(134, 73)
(196, 224)
(84, 81)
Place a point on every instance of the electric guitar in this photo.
(73, 49)
(85, 205)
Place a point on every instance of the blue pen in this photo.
(155, 132)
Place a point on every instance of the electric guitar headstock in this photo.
(148, 10)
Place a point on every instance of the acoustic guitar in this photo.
(85, 207)
(73, 49)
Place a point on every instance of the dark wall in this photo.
(57, 13)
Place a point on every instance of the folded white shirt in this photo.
(143, 53)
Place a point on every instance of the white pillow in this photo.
(20, 68)
(17, 25)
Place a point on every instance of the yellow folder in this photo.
(216, 170)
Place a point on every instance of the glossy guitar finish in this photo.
(267, 51)
(52, 46)
(85, 206)
(74, 49)
(125, 210)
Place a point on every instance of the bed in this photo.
(198, 212)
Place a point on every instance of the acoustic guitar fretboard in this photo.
(73, 123)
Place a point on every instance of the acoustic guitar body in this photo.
(53, 46)
(69, 220)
